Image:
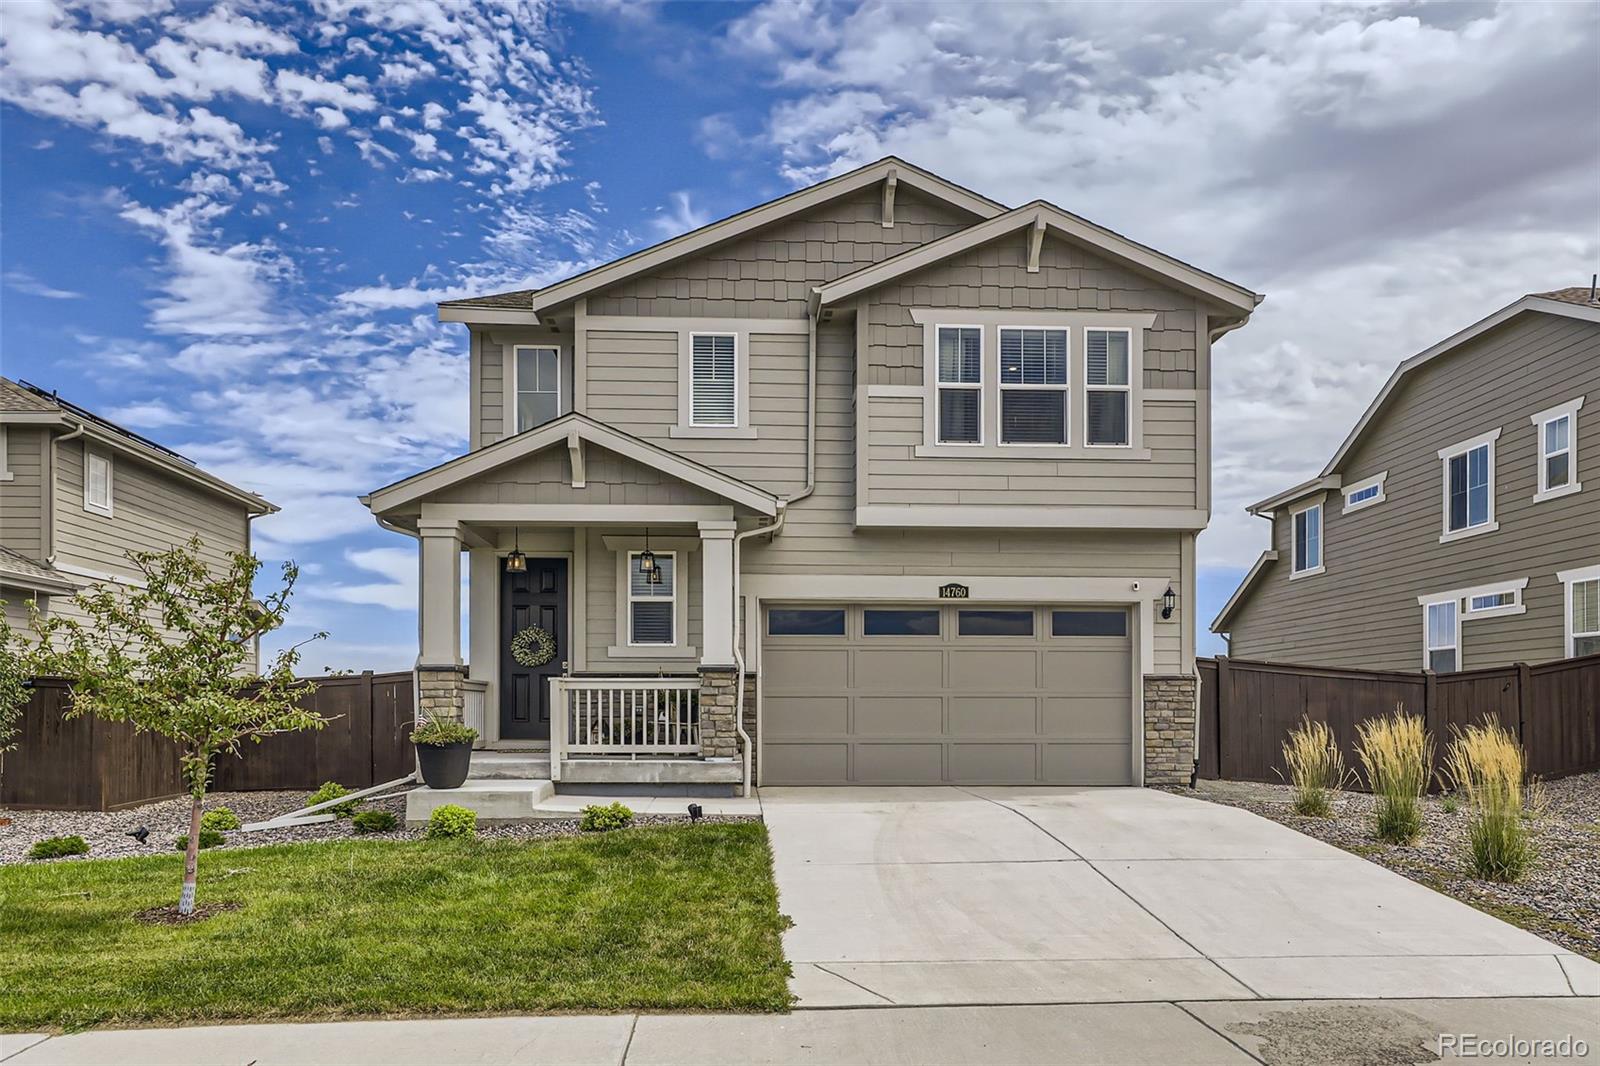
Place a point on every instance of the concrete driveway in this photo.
(974, 896)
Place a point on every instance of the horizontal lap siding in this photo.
(1363, 611)
(546, 477)
(22, 498)
(492, 390)
(601, 590)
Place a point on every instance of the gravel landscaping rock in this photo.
(1559, 899)
(107, 836)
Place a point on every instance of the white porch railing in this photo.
(475, 708)
(623, 716)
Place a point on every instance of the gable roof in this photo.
(1219, 624)
(526, 303)
(18, 571)
(1047, 217)
(560, 431)
(23, 403)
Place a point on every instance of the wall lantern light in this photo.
(1169, 600)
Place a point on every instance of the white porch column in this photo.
(439, 597)
(716, 588)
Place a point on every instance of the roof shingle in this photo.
(1582, 295)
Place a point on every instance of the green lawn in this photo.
(655, 918)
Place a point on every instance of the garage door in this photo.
(913, 695)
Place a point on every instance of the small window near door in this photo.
(805, 622)
(995, 623)
(901, 623)
(538, 386)
(1443, 650)
(652, 604)
(1088, 623)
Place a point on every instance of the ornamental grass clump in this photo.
(1316, 767)
(1396, 754)
(1487, 766)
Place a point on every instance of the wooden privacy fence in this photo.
(89, 764)
(1247, 709)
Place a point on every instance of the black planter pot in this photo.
(444, 766)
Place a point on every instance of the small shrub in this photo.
(56, 847)
(374, 822)
(219, 818)
(332, 790)
(209, 838)
(442, 732)
(1450, 805)
(1487, 765)
(452, 820)
(1396, 753)
(598, 819)
(1316, 767)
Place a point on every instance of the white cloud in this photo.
(680, 217)
(398, 589)
(23, 282)
(152, 414)
(222, 28)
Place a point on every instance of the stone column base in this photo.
(719, 739)
(1169, 720)
(441, 692)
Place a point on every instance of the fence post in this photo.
(372, 727)
(1225, 740)
(1524, 684)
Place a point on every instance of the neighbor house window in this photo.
(1558, 450)
(1033, 386)
(97, 483)
(713, 380)
(538, 383)
(652, 605)
(1469, 487)
(1109, 392)
(1442, 647)
(1583, 610)
(1364, 493)
(1307, 541)
(960, 385)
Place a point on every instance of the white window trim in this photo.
(1322, 540)
(1516, 606)
(1445, 455)
(627, 592)
(1365, 483)
(624, 548)
(89, 455)
(740, 330)
(5, 468)
(738, 378)
(1065, 388)
(1126, 389)
(1429, 601)
(516, 385)
(1569, 411)
(1568, 579)
(969, 386)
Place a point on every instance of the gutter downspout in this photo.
(50, 508)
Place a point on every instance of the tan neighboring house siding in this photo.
(22, 526)
(1363, 611)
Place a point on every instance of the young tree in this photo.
(173, 655)
(13, 685)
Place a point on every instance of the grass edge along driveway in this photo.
(651, 918)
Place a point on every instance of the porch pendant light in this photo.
(647, 561)
(516, 562)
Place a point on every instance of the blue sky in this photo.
(226, 224)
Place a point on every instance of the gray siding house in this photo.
(1459, 524)
(77, 493)
(881, 482)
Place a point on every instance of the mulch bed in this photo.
(168, 914)
(1559, 899)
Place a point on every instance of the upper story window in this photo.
(1109, 391)
(960, 385)
(713, 381)
(1307, 541)
(5, 468)
(652, 610)
(1364, 493)
(1469, 487)
(538, 371)
(1033, 386)
(97, 482)
(1558, 450)
(1582, 610)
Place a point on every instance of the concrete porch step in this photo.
(494, 800)
(509, 765)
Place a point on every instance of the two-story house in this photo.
(924, 471)
(1458, 525)
(78, 492)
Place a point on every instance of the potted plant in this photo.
(444, 751)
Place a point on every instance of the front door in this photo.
(533, 627)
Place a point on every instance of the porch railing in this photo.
(623, 716)
(475, 708)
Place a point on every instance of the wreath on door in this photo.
(533, 647)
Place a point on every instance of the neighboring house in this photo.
(78, 492)
(1458, 526)
(927, 469)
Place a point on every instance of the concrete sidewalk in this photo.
(1333, 1033)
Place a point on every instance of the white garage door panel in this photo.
(927, 709)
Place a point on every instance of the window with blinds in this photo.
(713, 388)
(652, 606)
(97, 483)
(960, 385)
(1109, 393)
(1033, 386)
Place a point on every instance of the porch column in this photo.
(439, 667)
(716, 588)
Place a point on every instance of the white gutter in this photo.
(50, 504)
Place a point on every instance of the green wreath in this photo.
(533, 647)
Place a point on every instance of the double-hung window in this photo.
(1033, 386)
(1583, 610)
(1442, 636)
(960, 385)
(97, 482)
(713, 382)
(1307, 541)
(538, 371)
(1558, 450)
(1108, 392)
(652, 605)
(1469, 487)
